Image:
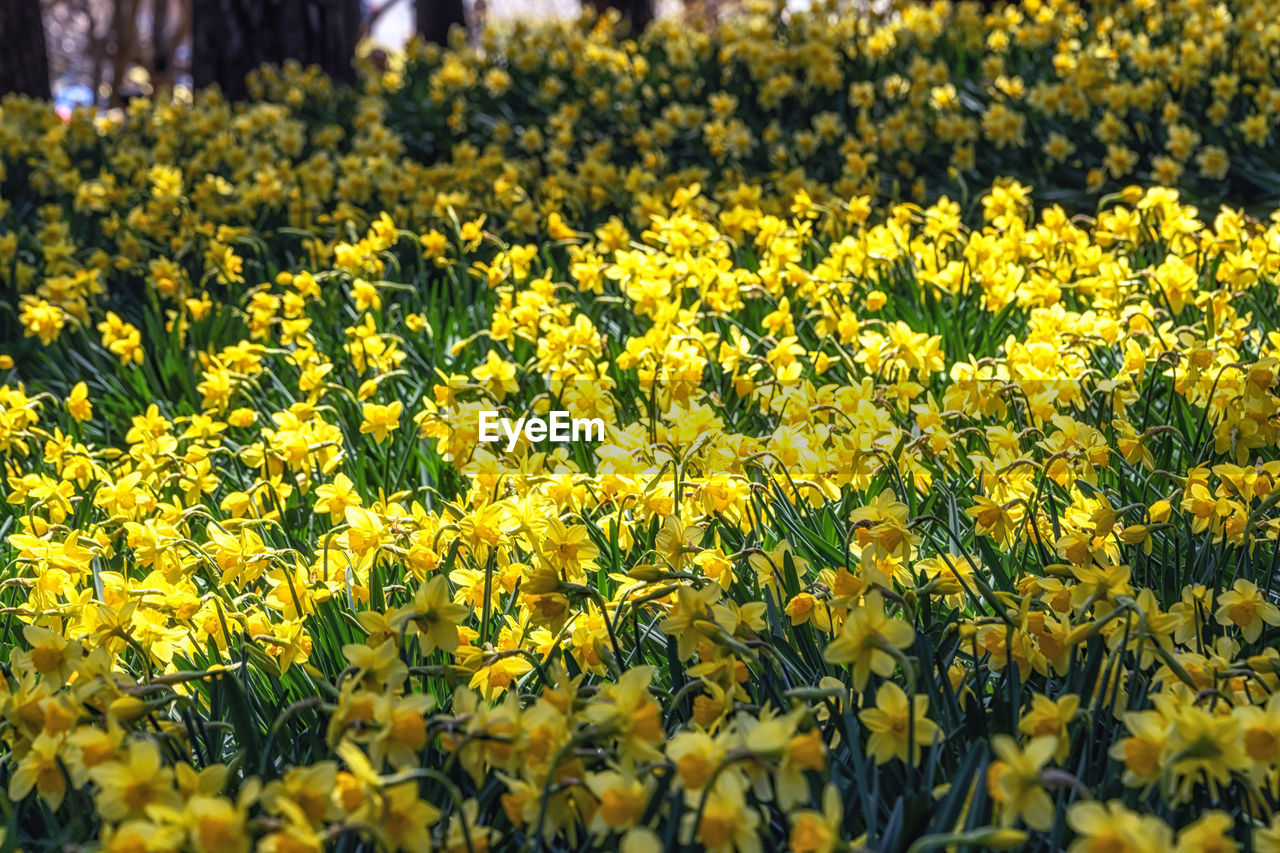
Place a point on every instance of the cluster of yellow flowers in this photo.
(915, 526)
(931, 98)
(572, 122)
(813, 529)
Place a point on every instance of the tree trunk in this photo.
(24, 65)
(124, 23)
(436, 17)
(161, 64)
(230, 38)
(638, 13)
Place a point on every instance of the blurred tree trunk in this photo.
(161, 57)
(124, 23)
(230, 38)
(24, 65)
(436, 17)
(636, 12)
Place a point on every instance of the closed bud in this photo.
(1264, 663)
(1160, 511)
(1133, 534)
(127, 708)
(1002, 839)
(645, 572)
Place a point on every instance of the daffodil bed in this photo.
(934, 511)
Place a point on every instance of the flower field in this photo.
(936, 510)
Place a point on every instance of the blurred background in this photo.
(103, 52)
